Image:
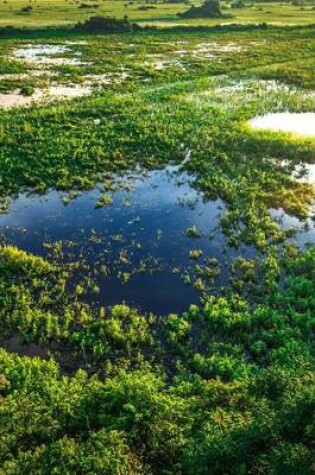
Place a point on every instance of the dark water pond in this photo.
(137, 249)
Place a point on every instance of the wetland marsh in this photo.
(157, 261)
(135, 244)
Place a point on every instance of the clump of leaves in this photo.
(105, 200)
(193, 232)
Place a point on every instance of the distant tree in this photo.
(237, 4)
(87, 5)
(106, 25)
(27, 9)
(210, 9)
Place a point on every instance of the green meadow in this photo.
(163, 14)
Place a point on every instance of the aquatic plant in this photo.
(105, 200)
(195, 253)
(193, 232)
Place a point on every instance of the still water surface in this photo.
(137, 248)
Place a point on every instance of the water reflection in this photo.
(137, 248)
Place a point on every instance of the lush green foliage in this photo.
(106, 25)
(227, 387)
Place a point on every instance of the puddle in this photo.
(32, 53)
(271, 92)
(306, 173)
(164, 64)
(30, 73)
(62, 61)
(305, 229)
(15, 99)
(77, 42)
(138, 247)
(297, 123)
(97, 80)
(68, 91)
(47, 54)
(211, 50)
(160, 65)
(230, 47)
(204, 54)
(259, 87)
(305, 234)
(60, 91)
(65, 358)
(15, 345)
(303, 172)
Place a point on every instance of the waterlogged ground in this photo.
(96, 65)
(147, 184)
(109, 120)
(138, 246)
(142, 241)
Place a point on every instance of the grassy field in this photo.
(91, 383)
(61, 12)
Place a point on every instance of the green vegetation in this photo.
(106, 25)
(195, 253)
(210, 9)
(227, 386)
(238, 398)
(65, 13)
(105, 200)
